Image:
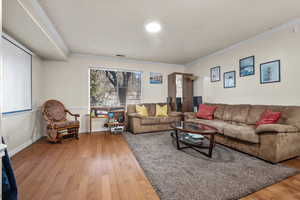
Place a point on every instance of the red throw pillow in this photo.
(269, 117)
(206, 112)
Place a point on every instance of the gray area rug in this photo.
(189, 175)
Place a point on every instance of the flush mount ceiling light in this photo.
(153, 27)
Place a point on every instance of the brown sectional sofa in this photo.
(139, 124)
(237, 129)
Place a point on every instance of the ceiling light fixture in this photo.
(120, 55)
(153, 27)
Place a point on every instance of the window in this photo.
(114, 87)
(16, 77)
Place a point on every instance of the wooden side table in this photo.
(118, 118)
(94, 117)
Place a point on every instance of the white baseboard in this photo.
(94, 130)
(23, 146)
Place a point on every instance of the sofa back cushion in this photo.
(227, 115)
(219, 111)
(240, 113)
(255, 113)
(291, 116)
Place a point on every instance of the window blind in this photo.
(16, 78)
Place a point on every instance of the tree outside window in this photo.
(114, 88)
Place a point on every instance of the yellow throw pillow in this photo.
(161, 111)
(141, 110)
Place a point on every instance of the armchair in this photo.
(55, 115)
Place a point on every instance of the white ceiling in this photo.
(26, 22)
(190, 28)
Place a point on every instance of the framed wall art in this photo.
(229, 79)
(156, 78)
(270, 72)
(247, 66)
(215, 74)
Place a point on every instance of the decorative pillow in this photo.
(269, 117)
(206, 112)
(141, 110)
(161, 111)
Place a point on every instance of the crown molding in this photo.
(42, 21)
(252, 39)
(120, 59)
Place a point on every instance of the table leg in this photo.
(177, 139)
(211, 144)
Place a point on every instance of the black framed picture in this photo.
(247, 66)
(229, 79)
(215, 74)
(270, 72)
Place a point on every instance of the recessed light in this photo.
(153, 27)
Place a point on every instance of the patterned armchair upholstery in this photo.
(55, 114)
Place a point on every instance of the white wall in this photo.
(21, 129)
(283, 45)
(68, 81)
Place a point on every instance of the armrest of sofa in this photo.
(136, 115)
(276, 128)
(175, 114)
(189, 115)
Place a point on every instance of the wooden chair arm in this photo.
(74, 115)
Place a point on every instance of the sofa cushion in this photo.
(227, 115)
(150, 108)
(161, 111)
(269, 117)
(219, 111)
(206, 112)
(255, 113)
(157, 120)
(189, 115)
(244, 133)
(166, 120)
(141, 110)
(131, 108)
(175, 114)
(136, 115)
(240, 113)
(218, 124)
(64, 124)
(276, 128)
(150, 120)
(291, 115)
(282, 119)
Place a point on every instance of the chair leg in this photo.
(77, 133)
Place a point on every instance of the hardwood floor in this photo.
(101, 166)
(96, 167)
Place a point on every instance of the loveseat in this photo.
(150, 123)
(236, 125)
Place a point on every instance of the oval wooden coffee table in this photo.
(186, 133)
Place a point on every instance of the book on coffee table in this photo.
(195, 136)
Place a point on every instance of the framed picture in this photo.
(229, 79)
(215, 74)
(247, 66)
(270, 72)
(156, 78)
